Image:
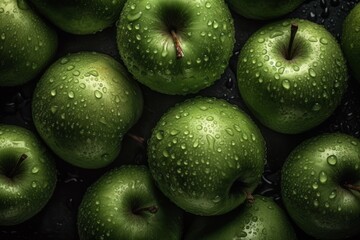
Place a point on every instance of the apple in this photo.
(320, 186)
(206, 156)
(292, 75)
(178, 46)
(259, 219)
(27, 44)
(82, 107)
(263, 9)
(80, 16)
(27, 175)
(125, 204)
(351, 40)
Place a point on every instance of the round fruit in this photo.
(125, 204)
(321, 186)
(351, 40)
(261, 219)
(178, 46)
(83, 106)
(206, 156)
(27, 175)
(26, 43)
(81, 16)
(263, 9)
(292, 75)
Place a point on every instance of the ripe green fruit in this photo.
(27, 175)
(261, 219)
(26, 43)
(321, 186)
(206, 156)
(263, 9)
(80, 16)
(292, 75)
(125, 204)
(83, 106)
(351, 40)
(178, 46)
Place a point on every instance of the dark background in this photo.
(58, 219)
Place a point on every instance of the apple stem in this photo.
(138, 139)
(21, 159)
(179, 51)
(151, 209)
(352, 187)
(294, 29)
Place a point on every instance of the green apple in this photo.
(27, 175)
(80, 16)
(27, 44)
(321, 186)
(292, 75)
(125, 204)
(178, 46)
(257, 220)
(351, 40)
(263, 9)
(206, 156)
(82, 107)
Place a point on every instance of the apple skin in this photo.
(207, 37)
(292, 96)
(313, 190)
(263, 9)
(206, 155)
(80, 16)
(108, 208)
(351, 40)
(27, 191)
(27, 44)
(82, 107)
(262, 219)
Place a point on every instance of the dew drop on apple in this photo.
(35, 170)
(332, 195)
(98, 94)
(323, 177)
(332, 160)
(316, 107)
(286, 84)
(71, 94)
(33, 184)
(315, 185)
(53, 92)
(324, 41)
(316, 203)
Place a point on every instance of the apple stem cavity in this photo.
(294, 29)
(352, 187)
(249, 198)
(22, 158)
(151, 209)
(179, 51)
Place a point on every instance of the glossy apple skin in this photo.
(27, 44)
(82, 107)
(25, 193)
(292, 96)
(80, 16)
(107, 209)
(312, 186)
(351, 40)
(205, 154)
(206, 33)
(263, 9)
(262, 219)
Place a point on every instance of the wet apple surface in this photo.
(58, 219)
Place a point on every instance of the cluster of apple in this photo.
(205, 155)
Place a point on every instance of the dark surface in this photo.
(58, 219)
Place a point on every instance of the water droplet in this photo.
(323, 177)
(71, 94)
(208, 5)
(160, 135)
(286, 84)
(134, 17)
(33, 184)
(53, 92)
(312, 72)
(324, 41)
(98, 94)
(316, 107)
(332, 160)
(35, 170)
(332, 195)
(315, 185)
